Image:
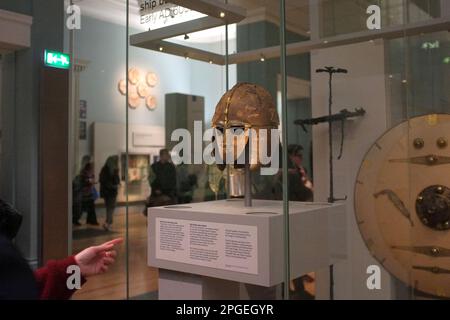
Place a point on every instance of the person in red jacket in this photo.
(17, 281)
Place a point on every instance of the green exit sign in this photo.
(57, 59)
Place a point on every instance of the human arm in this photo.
(52, 279)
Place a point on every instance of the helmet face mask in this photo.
(240, 116)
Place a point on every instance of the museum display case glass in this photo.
(98, 124)
(350, 100)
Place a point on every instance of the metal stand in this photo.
(331, 282)
(330, 140)
(248, 178)
(331, 71)
(248, 186)
(342, 116)
(331, 198)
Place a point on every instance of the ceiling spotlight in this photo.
(210, 62)
(222, 14)
(161, 48)
(391, 76)
(404, 81)
(186, 57)
(186, 37)
(262, 58)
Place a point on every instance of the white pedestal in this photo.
(241, 253)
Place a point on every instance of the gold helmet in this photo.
(244, 111)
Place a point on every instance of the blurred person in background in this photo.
(300, 186)
(164, 178)
(109, 186)
(84, 195)
(186, 184)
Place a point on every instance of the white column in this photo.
(445, 8)
(314, 19)
(80, 66)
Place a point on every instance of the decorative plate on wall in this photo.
(152, 79)
(133, 98)
(139, 88)
(151, 103)
(122, 87)
(143, 90)
(134, 76)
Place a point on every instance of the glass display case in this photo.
(285, 149)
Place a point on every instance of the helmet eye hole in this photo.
(237, 131)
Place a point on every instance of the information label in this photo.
(215, 245)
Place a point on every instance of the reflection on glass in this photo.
(215, 176)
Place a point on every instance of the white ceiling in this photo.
(297, 14)
(115, 11)
(110, 10)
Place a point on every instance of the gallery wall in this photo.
(102, 44)
(426, 72)
(20, 104)
(266, 73)
(364, 86)
(23, 6)
(109, 139)
(208, 80)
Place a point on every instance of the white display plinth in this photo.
(198, 246)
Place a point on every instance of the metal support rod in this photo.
(287, 260)
(331, 71)
(330, 138)
(227, 88)
(73, 143)
(248, 176)
(248, 185)
(331, 282)
(330, 143)
(127, 232)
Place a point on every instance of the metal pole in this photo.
(330, 143)
(330, 138)
(227, 63)
(73, 139)
(127, 247)
(248, 178)
(331, 269)
(248, 186)
(227, 88)
(287, 271)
